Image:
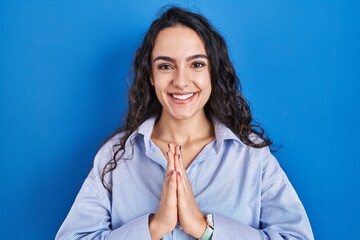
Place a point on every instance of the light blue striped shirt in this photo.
(243, 187)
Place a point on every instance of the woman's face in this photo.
(180, 73)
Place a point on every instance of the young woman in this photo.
(189, 163)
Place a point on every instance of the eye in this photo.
(165, 66)
(198, 64)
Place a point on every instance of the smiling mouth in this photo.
(182, 96)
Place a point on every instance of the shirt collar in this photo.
(146, 129)
(222, 132)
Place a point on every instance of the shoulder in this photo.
(262, 154)
(262, 157)
(106, 152)
(111, 147)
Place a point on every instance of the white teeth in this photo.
(183, 97)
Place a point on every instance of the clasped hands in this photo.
(177, 202)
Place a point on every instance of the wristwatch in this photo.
(207, 235)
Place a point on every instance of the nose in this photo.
(181, 79)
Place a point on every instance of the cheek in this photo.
(203, 81)
(160, 86)
(161, 81)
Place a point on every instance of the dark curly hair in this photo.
(226, 102)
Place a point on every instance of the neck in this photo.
(183, 131)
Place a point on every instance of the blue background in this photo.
(63, 71)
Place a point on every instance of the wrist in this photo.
(198, 227)
(155, 228)
(207, 235)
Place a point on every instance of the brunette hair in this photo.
(226, 102)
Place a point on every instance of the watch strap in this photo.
(207, 235)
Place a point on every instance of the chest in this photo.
(219, 187)
(189, 151)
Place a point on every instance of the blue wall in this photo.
(63, 71)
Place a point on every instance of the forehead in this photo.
(178, 41)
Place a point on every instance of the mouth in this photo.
(182, 96)
(179, 97)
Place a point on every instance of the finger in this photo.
(172, 147)
(170, 159)
(179, 150)
(171, 188)
(181, 191)
(171, 166)
(179, 165)
(180, 175)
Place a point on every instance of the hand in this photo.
(191, 219)
(166, 217)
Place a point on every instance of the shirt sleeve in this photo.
(282, 215)
(90, 215)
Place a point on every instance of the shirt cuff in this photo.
(227, 228)
(135, 229)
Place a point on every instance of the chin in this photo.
(184, 116)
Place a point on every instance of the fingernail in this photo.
(179, 174)
(180, 147)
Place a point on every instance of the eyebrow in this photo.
(169, 59)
